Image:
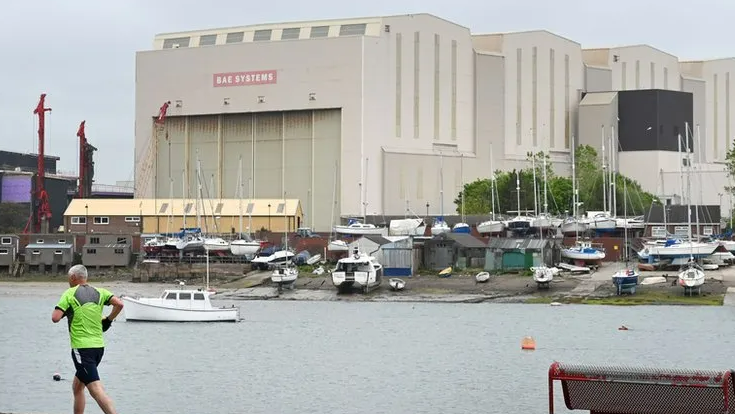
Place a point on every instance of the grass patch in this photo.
(640, 298)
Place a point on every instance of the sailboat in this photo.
(335, 245)
(461, 227)
(244, 245)
(440, 226)
(542, 274)
(493, 225)
(359, 227)
(519, 224)
(691, 278)
(625, 280)
(572, 224)
(286, 274)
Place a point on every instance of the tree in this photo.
(730, 167)
(13, 217)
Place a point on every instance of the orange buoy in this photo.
(528, 344)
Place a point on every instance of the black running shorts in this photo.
(86, 361)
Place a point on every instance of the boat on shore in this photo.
(397, 284)
(357, 270)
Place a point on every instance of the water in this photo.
(317, 357)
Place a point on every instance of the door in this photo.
(514, 260)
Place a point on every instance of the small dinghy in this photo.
(446, 272)
(482, 277)
(397, 284)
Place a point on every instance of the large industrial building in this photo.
(362, 116)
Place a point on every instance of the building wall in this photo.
(698, 89)
(598, 112)
(637, 67)
(543, 80)
(116, 224)
(225, 225)
(597, 79)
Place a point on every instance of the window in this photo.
(58, 252)
(352, 29)
(78, 220)
(187, 209)
(36, 252)
(707, 231)
(681, 231)
(122, 240)
(91, 251)
(94, 240)
(119, 251)
(319, 31)
(5, 240)
(281, 208)
(163, 208)
(207, 40)
(39, 241)
(218, 209)
(185, 296)
(291, 33)
(176, 43)
(101, 220)
(199, 296)
(261, 35)
(171, 295)
(235, 37)
(62, 241)
(658, 231)
(250, 208)
(3, 251)
(132, 219)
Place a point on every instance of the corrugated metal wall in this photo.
(312, 142)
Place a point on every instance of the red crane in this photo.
(42, 212)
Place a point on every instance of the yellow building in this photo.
(165, 215)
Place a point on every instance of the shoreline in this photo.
(593, 289)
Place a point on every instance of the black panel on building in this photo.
(652, 119)
(26, 162)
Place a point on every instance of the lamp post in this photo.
(427, 209)
(86, 218)
(269, 216)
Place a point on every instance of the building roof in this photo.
(49, 246)
(677, 214)
(163, 207)
(598, 98)
(513, 243)
(379, 240)
(465, 240)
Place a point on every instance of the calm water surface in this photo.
(317, 357)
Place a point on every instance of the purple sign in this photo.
(16, 189)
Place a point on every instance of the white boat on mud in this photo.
(178, 306)
(583, 251)
(543, 276)
(285, 276)
(482, 277)
(691, 278)
(397, 284)
(357, 270)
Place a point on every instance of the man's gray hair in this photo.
(78, 271)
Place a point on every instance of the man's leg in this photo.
(97, 391)
(79, 400)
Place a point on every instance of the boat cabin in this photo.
(193, 299)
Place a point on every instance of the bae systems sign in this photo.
(259, 77)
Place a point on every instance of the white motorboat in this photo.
(278, 258)
(357, 227)
(439, 227)
(583, 251)
(600, 222)
(678, 249)
(691, 278)
(397, 284)
(216, 244)
(338, 246)
(543, 276)
(190, 242)
(482, 277)
(519, 224)
(490, 227)
(178, 306)
(407, 227)
(244, 247)
(359, 270)
(630, 223)
(285, 275)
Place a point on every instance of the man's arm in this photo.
(117, 307)
(61, 308)
(57, 315)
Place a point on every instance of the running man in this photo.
(82, 305)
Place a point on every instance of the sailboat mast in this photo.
(240, 192)
(574, 188)
(613, 174)
(689, 201)
(604, 170)
(681, 170)
(365, 199)
(441, 186)
(461, 178)
(285, 223)
(546, 202)
(492, 183)
(518, 193)
(250, 212)
(334, 199)
(626, 250)
(535, 190)
(183, 199)
(199, 194)
(698, 178)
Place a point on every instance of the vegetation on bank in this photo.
(640, 298)
(559, 189)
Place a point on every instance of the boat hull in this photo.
(488, 227)
(571, 227)
(683, 249)
(244, 248)
(581, 255)
(139, 310)
(359, 230)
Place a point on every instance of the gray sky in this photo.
(82, 52)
